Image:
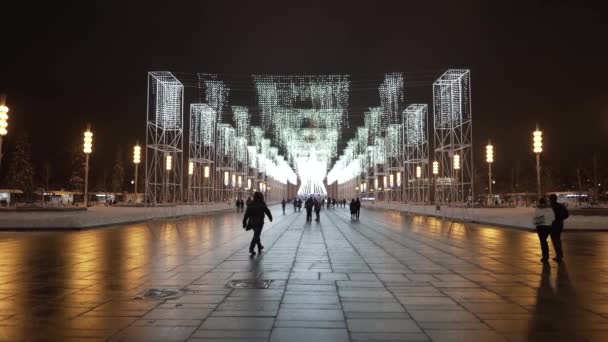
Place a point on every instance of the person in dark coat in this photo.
(308, 205)
(283, 204)
(318, 205)
(254, 219)
(248, 201)
(295, 205)
(357, 207)
(299, 204)
(353, 211)
(560, 214)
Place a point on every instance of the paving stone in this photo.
(382, 325)
(237, 323)
(307, 335)
(310, 315)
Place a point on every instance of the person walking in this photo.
(560, 213)
(283, 204)
(318, 205)
(254, 219)
(353, 211)
(295, 205)
(308, 206)
(357, 207)
(248, 201)
(238, 205)
(543, 219)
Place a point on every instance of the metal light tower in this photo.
(88, 148)
(537, 143)
(490, 160)
(3, 122)
(136, 161)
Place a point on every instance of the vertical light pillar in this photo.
(3, 123)
(168, 168)
(88, 148)
(190, 175)
(490, 160)
(435, 173)
(537, 144)
(136, 161)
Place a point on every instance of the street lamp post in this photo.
(168, 168)
(490, 160)
(190, 175)
(537, 143)
(435, 173)
(3, 122)
(136, 161)
(88, 148)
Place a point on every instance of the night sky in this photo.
(65, 65)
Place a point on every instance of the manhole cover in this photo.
(248, 284)
(160, 294)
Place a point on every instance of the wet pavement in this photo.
(388, 277)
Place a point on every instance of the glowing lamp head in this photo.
(206, 171)
(136, 154)
(88, 142)
(191, 168)
(168, 163)
(240, 181)
(391, 180)
(418, 171)
(537, 141)
(435, 168)
(398, 178)
(3, 119)
(489, 153)
(456, 162)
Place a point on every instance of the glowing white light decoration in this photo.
(384, 181)
(233, 179)
(537, 141)
(249, 183)
(226, 139)
(373, 122)
(215, 93)
(136, 154)
(414, 118)
(240, 181)
(391, 97)
(190, 168)
(456, 162)
(418, 171)
(398, 178)
(168, 163)
(88, 142)
(226, 178)
(489, 153)
(169, 93)
(3, 120)
(241, 120)
(394, 142)
(206, 171)
(391, 180)
(452, 100)
(204, 121)
(435, 168)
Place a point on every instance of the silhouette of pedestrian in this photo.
(318, 205)
(254, 219)
(353, 211)
(357, 207)
(283, 204)
(308, 206)
(543, 219)
(560, 214)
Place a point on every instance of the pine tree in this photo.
(21, 171)
(118, 173)
(76, 181)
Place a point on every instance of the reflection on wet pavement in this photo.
(386, 277)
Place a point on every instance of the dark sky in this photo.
(63, 65)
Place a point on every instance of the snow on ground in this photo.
(511, 217)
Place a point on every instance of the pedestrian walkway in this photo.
(387, 277)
